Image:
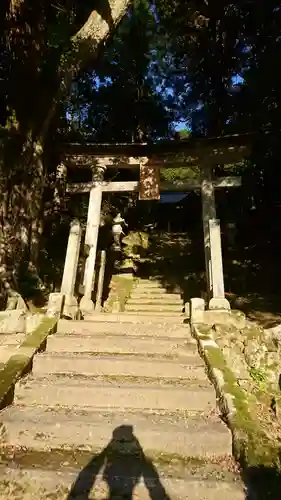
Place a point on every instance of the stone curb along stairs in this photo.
(257, 452)
(118, 410)
(19, 362)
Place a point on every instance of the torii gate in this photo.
(149, 158)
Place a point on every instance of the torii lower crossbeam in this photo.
(206, 185)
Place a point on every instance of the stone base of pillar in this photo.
(16, 302)
(197, 310)
(12, 321)
(187, 309)
(86, 306)
(55, 304)
(70, 308)
(219, 304)
(33, 321)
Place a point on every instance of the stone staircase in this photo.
(118, 410)
(151, 297)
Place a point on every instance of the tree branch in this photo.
(85, 46)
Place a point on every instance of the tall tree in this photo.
(43, 45)
(118, 101)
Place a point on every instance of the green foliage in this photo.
(258, 375)
(117, 100)
(169, 61)
(120, 291)
(180, 174)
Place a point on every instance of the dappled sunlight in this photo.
(252, 279)
(171, 258)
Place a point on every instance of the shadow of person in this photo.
(122, 465)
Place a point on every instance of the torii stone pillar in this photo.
(205, 184)
(208, 212)
(91, 238)
(70, 308)
(212, 242)
(71, 259)
(64, 303)
(216, 259)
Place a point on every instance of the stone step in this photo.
(69, 484)
(148, 290)
(135, 306)
(150, 287)
(154, 316)
(148, 282)
(145, 319)
(120, 345)
(161, 299)
(186, 368)
(145, 299)
(103, 325)
(171, 434)
(79, 392)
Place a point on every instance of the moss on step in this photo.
(20, 363)
(189, 383)
(69, 457)
(252, 447)
(151, 355)
(26, 490)
(120, 291)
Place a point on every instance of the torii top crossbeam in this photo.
(223, 149)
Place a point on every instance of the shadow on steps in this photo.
(122, 465)
(263, 483)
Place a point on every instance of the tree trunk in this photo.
(85, 46)
(22, 167)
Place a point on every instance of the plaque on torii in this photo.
(149, 183)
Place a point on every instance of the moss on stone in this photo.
(121, 288)
(252, 333)
(19, 363)
(238, 313)
(78, 458)
(205, 330)
(39, 335)
(205, 337)
(251, 445)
